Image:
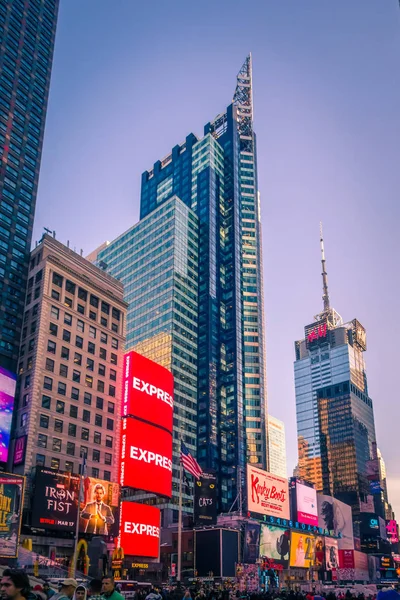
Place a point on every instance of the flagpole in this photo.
(74, 557)
(180, 524)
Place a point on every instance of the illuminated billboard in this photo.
(55, 501)
(11, 505)
(148, 390)
(8, 382)
(306, 502)
(302, 550)
(336, 516)
(392, 531)
(267, 494)
(275, 546)
(251, 547)
(146, 457)
(139, 533)
(99, 511)
(205, 500)
(19, 450)
(331, 554)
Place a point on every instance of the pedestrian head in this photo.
(14, 584)
(107, 585)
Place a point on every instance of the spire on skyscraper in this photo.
(325, 296)
(243, 100)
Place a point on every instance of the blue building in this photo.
(27, 32)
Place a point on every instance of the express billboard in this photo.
(306, 503)
(148, 390)
(205, 500)
(139, 533)
(55, 501)
(267, 494)
(275, 546)
(99, 511)
(8, 382)
(146, 457)
(331, 554)
(336, 516)
(302, 550)
(11, 505)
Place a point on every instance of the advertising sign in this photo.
(361, 565)
(19, 450)
(336, 516)
(55, 501)
(148, 390)
(307, 508)
(275, 545)
(302, 550)
(11, 505)
(247, 577)
(346, 559)
(367, 505)
(319, 552)
(331, 554)
(146, 457)
(8, 382)
(391, 530)
(382, 529)
(205, 500)
(267, 494)
(251, 542)
(139, 533)
(100, 507)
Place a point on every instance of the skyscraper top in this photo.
(243, 100)
(325, 296)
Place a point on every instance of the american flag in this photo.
(189, 463)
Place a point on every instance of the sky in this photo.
(131, 79)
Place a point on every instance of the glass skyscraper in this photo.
(27, 32)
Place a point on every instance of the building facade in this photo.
(70, 365)
(157, 262)
(277, 447)
(27, 32)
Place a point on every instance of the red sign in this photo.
(148, 390)
(318, 332)
(139, 533)
(346, 559)
(146, 457)
(19, 450)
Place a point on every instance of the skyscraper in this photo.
(216, 176)
(335, 420)
(277, 447)
(27, 31)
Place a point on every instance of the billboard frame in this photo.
(16, 477)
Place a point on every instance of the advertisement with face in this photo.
(319, 552)
(251, 543)
(302, 550)
(275, 545)
(336, 516)
(331, 554)
(307, 508)
(267, 494)
(11, 505)
(55, 501)
(148, 390)
(99, 510)
(146, 457)
(139, 533)
(8, 382)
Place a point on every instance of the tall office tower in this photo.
(157, 262)
(70, 365)
(27, 31)
(216, 176)
(335, 421)
(277, 447)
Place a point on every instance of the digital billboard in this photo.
(146, 457)
(267, 494)
(275, 545)
(11, 505)
(19, 450)
(331, 554)
(302, 550)
(251, 547)
(319, 557)
(99, 511)
(139, 531)
(391, 530)
(8, 382)
(306, 502)
(205, 500)
(346, 559)
(55, 501)
(336, 516)
(148, 390)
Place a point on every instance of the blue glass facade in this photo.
(27, 32)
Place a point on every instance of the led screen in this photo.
(8, 382)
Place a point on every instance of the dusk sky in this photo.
(131, 79)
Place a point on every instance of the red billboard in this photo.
(148, 390)
(146, 457)
(346, 559)
(139, 533)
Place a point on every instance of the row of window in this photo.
(69, 466)
(80, 326)
(76, 375)
(91, 347)
(60, 404)
(56, 446)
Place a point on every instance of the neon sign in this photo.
(320, 331)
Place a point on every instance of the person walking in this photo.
(14, 585)
(67, 590)
(108, 589)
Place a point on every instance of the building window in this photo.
(79, 342)
(72, 429)
(89, 381)
(114, 343)
(49, 365)
(97, 437)
(58, 425)
(74, 393)
(68, 302)
(25, 400)
(111, 407)
(51, 347)
(83, 452)
(80, 326)
(99, 403)
(46, 402)
(24, 419)
(109, 441)
(113, 375)
(87, 398)
(81, 309)
(40, 460)
(90, 364)
(96, 456)
(66, 335)
(100, 386)
(73, 411)
(62, 388)
(111, 391)
(55, 463)
(94, 301)
(107, 475)
(107, 458)
(69, 466)
(110, 424)
(47, 384)
(92, 332)
(91, 348)
(103, 337)
(63, 370)
(42, 440)
(102, 370)
(56, 445)
(95, 472)
(98, 421)
(105, 308)
(76, 376)
(55, 295)
(103, 353)
(103, 322)
(53, 328)
(116, 314)
(28, 381)
(70, 448)
(60, 407)
(64, 353)
(78, 359)
(55, 312)
(68, 319)
(57, 279)
(114, 359)
(44, 421)
(114, 327)
(70, 287)
(82, 294)
(92, 315)
(86, 416)
(85, 434)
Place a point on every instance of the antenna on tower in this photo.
(325, 296)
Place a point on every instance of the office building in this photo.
(70, 366)
(277, 447)
(335, 420)
(27, 31)
(157, 262)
